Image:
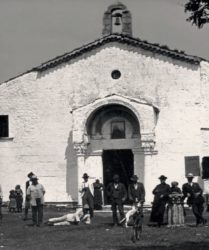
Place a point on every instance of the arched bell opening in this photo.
(117, 19)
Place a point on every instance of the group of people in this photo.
(34, 199)
(117, 193)
(165, 195)
(16, 199)
(91, 195)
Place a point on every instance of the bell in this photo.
(117, 21)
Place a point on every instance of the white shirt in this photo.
(75, 217)
(86, 185)
(36, 191)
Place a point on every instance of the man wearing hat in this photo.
(86, 191)
(36, 193)
(27, 200)
(136, 191)
(193, 192)
(161, 193)
(136, 195)
(118, 195)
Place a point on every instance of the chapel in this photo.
(117, 105)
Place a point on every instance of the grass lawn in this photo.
(15, 234)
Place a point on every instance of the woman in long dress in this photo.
(161, 193)
(98, 188)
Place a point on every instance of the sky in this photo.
(34, 31)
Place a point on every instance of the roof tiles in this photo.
(155, 48)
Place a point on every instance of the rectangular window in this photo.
(118, 130)
(205, 167)
(4, 126)
(192, 165)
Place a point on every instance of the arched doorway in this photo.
(115, 131)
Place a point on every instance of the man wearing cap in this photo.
(161, 193)
(36, 193)
(118, 195)
(87, 192)
(193, 192)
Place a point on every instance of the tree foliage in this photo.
(199, 12)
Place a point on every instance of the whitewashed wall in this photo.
(39, 106)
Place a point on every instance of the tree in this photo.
(199, 12)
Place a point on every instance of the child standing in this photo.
(175, 206)
(19, 198)
(12, 201)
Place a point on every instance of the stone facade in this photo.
(49, 111)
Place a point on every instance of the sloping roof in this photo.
(120, 38)
(163, 50)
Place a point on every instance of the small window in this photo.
(4, 126)
(116, 74)
(205, 167)
(118, 130)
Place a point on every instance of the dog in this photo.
(130, 213)
(134, 218)
(137, 223)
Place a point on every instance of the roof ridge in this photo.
(115, 37)
(154, 47)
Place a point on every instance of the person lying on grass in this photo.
(70, 219)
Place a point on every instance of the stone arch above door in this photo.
(145, 113)
(102, 122)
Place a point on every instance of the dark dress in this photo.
(12, 201)
(159, 203)
(98, 187)
(19, 199)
